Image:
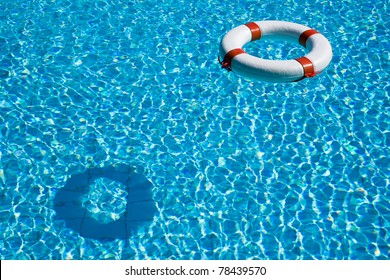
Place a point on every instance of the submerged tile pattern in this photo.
(239, 169)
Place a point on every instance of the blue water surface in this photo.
(96, 93)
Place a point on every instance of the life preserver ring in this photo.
(237, 60)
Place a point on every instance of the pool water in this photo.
(235, 169)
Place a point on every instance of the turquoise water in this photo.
(238, 169)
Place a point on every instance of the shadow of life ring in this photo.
(140, 206)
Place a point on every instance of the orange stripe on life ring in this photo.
(308, 68)
(255, 30)
(305, 35)
(231, 54)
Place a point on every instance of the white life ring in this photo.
(237, 60)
